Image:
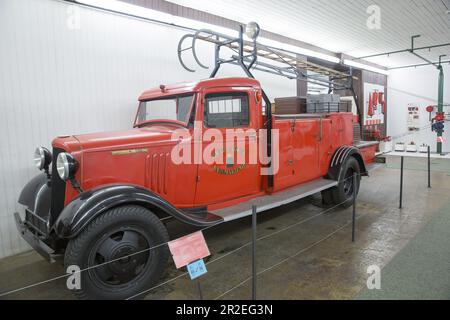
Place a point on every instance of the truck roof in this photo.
(181, 88)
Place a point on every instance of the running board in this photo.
(267, 202)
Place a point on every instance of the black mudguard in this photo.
(340, 156)
(90, 204)
(36, 196)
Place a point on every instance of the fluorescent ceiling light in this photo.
(358, 65)
(138, 11)
(141, 12)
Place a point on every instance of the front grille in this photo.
(58, 189)
(36, 223)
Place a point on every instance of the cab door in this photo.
(228, 169)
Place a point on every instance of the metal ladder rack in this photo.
(279, 62)
(248, 51)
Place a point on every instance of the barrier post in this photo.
(354, 206)
(429, 167)
(401, 183)
(254, 252)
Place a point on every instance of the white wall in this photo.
(55, 80)
(418, 86)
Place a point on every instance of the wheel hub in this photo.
(122, 256)
(123, 262)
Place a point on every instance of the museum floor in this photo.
(304, 252)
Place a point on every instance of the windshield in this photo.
(176, 109)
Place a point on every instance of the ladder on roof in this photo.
(278, 61)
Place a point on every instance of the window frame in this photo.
(177, 96)
(226, 94)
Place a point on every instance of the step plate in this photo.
(268, 202)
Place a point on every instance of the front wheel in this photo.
(343, 194)
(117, 255)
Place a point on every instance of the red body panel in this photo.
(368, 153)
(307, 145)
(141, 156)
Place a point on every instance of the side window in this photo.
(226, 110)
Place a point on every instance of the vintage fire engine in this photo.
(100, 198)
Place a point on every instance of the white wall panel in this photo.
(417, 86)
(55, 80)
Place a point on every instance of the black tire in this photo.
(342, 194)
(129, 232)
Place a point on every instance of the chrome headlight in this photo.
(42, 158)
(66, 165)
(252, 30)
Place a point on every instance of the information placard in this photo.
(189, 248)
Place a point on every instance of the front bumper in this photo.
(34, 241)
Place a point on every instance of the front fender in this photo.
(36, 196)
(90, 204)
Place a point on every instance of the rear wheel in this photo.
(116, 256)
(342, 194)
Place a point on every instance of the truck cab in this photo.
(201, 153)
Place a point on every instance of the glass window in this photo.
(174, 108)
(226, 110)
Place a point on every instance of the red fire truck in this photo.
(100, 198)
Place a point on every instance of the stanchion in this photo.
(200, 293)
(401, 182)
(254, 252)
(429, 167)
(354, 207)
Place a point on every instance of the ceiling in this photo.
(341, 25)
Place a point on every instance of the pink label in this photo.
(188, 249)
